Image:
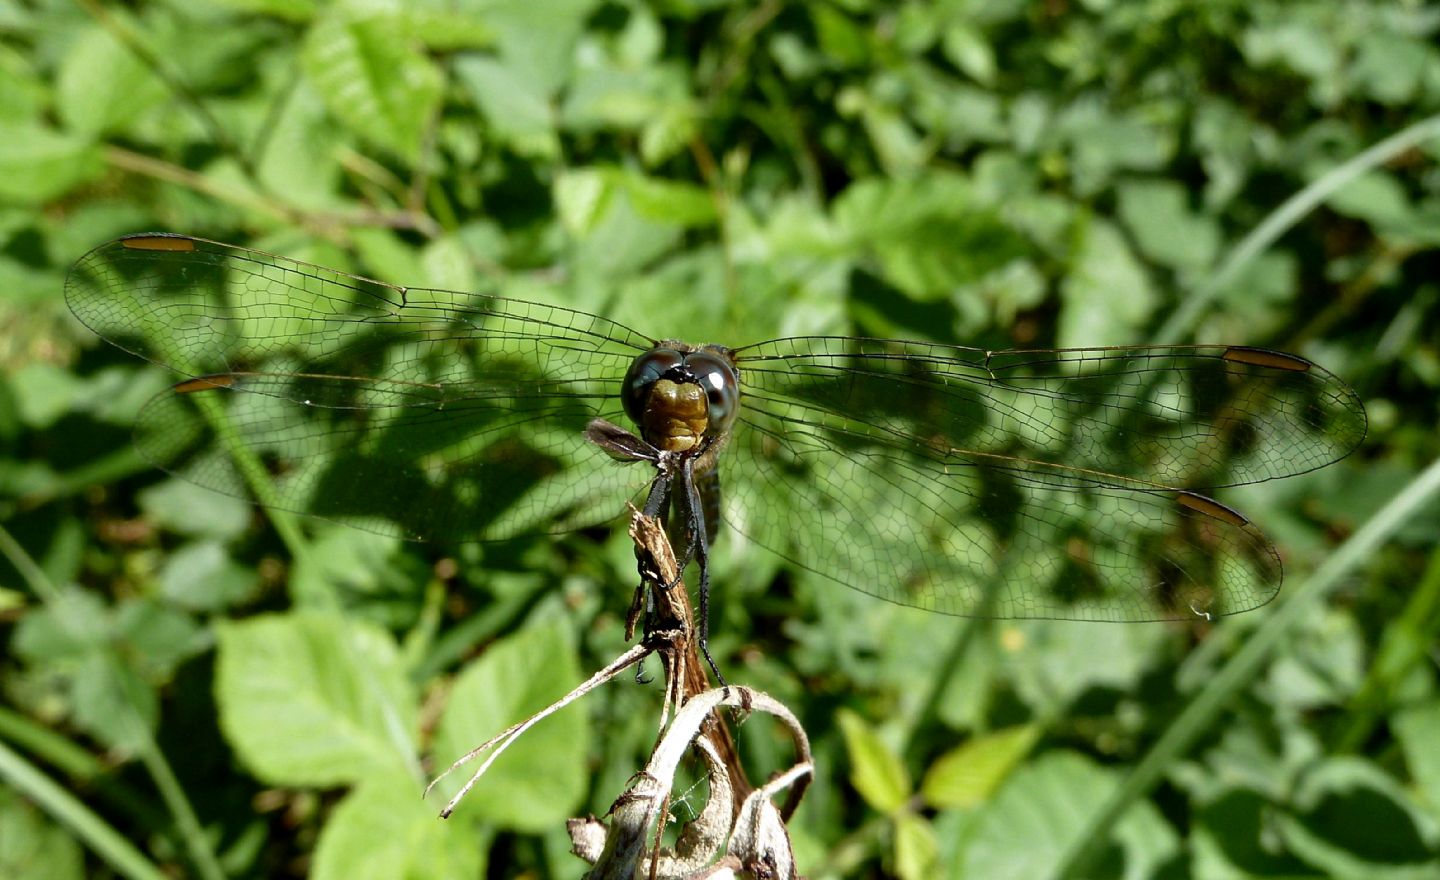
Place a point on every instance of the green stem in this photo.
(65, 808)
(1406, 644)
(1200, 715)
(252, 470)
(186, 821)
(258, 480)
(77, 764)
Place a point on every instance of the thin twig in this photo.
(513, 732)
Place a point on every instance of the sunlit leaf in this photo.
(382, 830)
(539, 781)
(875, 770)
(375, 79)
(313, 699)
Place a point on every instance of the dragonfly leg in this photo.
(659, 492)
(683, 561)
(656, 504)
(696, 520)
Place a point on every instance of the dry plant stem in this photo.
(503, 740)
(685, 673)
(628, 843)
(756, 830)
(758, 843)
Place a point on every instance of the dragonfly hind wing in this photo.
(470, 470)
(982, 539)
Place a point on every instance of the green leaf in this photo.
(1103, 142)
(1353, 820)
(443, 25)
(625, 219)
(1375, 197)
(43, 393)
(112, 702)
(667, 201)
(584, 195)
(302, 148)
(1225, 143)
(582, 198)
(839, 39)
(515, 107)
(930, 234)
(387, 256)
(668, 133)
(31, 846)
(1391, 67)
(969, 774)
(1159, 217)
(157, 637)
(375, 80)
(969, 50)
(536, 38)
(187, 509)
(876, 771)
(383, 831)
(292, 10)
(1326, 667)
(902, 150)
(1233, 834)
(1300, 44)
(916, 848)
(642, 39)
(347, 560)
(201, 576)
(68, 628)
(1106, 295)
(1025, 828)
(73, 638)
(311, 699)
(103, 86)
(605, 96)
(23, 92)
(1056, 664)
(1418, 730)
(539, 782)
(37, 164)
(445, 263)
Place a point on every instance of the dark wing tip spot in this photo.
(1212, 508)
(204, 383)
(158, 242)
(1264, 357)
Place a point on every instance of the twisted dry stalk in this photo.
(621, 846)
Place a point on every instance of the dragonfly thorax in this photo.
(678, 397)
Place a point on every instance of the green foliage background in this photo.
(190, 689)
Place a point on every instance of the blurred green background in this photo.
(190, 691)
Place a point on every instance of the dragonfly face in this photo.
(678, 395)
(1038, 483)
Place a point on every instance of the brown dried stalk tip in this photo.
(738, 816)
(755, 841)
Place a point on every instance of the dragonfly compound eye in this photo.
(644, 372)
(712, 372)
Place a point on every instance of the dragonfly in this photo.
(1048, 483)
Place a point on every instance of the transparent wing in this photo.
(990, 539)
(1026, 484)
(426, 413)
(1202, 416)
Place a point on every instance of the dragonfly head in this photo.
(678, 396)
